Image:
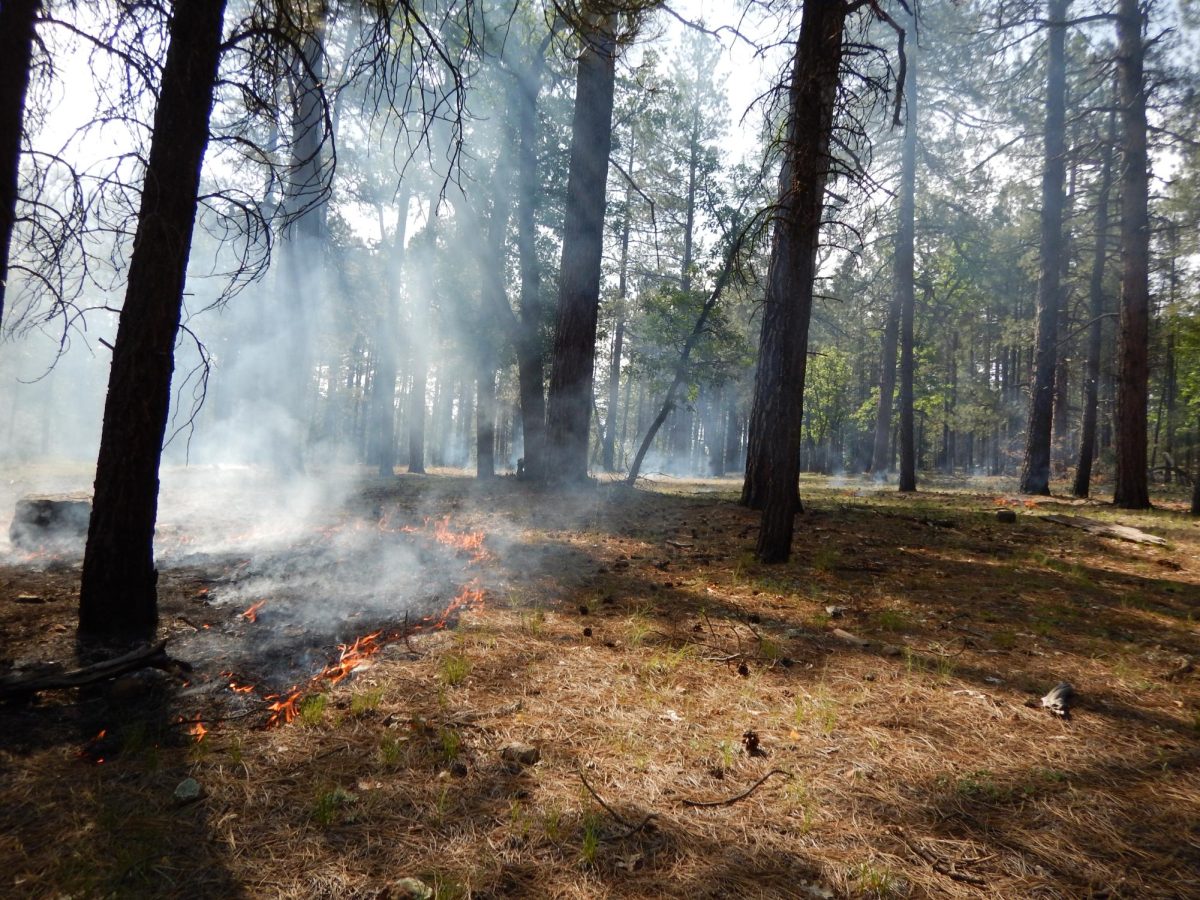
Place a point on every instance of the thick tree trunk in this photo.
(17, 20)
(1087, 435)
(570, 399)
(416, 413)
(773, 466)
(904, 287)
(118, 595)
(1131, 490)
(1035, 472)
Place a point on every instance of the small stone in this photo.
(411, 889)
(835, 612)
(1007, 516)
(188, 790)
(1059, 700)
(521, 754)
(892, 650)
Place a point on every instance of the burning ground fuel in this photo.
(286, 626)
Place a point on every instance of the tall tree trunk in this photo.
(303, 250)
(384, 394)
(1087, 435)
(1131, 490)
(118, 596)
(570, 399)
(887, 367)
(608, 458)
(904, 287)
(485, 418)
(1035, 472)
(530, 368)
(17, 20)
(773, 467)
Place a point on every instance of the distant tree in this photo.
(1096, 309)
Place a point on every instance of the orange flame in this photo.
(283, 710)
(251, 614)
(468, 541)
(350, 657)
(196, 729)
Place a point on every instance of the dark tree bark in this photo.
(118, 595)
(17, 20)
(570, 398)
(1131, 490)
(1035, 472)
(1087, 436)
(904, 287)
(773, 465)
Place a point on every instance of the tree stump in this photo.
(50, 522)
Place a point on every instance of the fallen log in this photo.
(1106, 529)
(148, 655)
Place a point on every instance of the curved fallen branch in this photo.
(734, 799)
(631, 827)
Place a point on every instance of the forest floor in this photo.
(861, 722)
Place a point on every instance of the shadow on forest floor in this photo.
(888, 675)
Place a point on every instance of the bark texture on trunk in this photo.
(1131, 490)
(773, 465)
(118, 595)
(570, 398)
(1087, 435)
(905, 288)
(17, 20)
(1035, 471)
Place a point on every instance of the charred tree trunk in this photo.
(1035, 472)
(118, 596)
(773, 466)
(1087, 436)
(1131, 490)
(570, 399)
(17, 20)
(904, 287)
